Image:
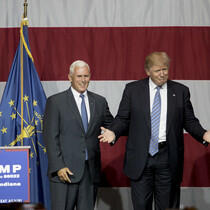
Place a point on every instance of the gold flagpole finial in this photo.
(25, 9)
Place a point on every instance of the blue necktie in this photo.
(84, 113)
(84, 119)
(155, 123)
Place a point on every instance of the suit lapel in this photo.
(146, 101)
(92, 109)
(73, 108)
(171, 104)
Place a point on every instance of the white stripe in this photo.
(113, 90)
(120, 198)
(106, 13)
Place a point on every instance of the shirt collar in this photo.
(77, 94)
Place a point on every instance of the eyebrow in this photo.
(165, 68)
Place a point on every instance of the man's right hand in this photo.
(106, 135)
(64, 175)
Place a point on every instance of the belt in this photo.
(161, 145)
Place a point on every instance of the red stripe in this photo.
(112, 164)
(196, 164)
(113, 53)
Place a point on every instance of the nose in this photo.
(83, 79)
(161, 72)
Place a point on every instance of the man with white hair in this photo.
(72, 123)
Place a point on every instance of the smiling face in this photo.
(158, 74)
(80, 79)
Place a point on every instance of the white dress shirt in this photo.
(163, 115)
(78, 100)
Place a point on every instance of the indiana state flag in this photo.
(21, 116)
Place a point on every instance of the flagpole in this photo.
(21, 63)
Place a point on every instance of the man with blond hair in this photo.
(154, 111)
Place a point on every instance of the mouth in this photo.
(83, 85)
(162, 79)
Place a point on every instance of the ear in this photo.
(147, 72)
(69, 76)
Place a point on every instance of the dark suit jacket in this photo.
(66, 139)
(134, 117)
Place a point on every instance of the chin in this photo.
(162, 82)
(83, 90)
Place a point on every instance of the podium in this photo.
(14, 174)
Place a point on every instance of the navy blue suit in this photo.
(133, 117)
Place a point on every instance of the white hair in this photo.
(78, 63)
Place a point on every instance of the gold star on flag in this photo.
(25, 98)
(44, 150)
(4, 130)
(0, 114)
(36, 122)
(34, 103)
(11, 103)
(13, 116)
(31, 154)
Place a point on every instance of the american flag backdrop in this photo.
(113, 37)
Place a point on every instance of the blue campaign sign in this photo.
(14, 175)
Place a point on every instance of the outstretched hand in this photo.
(106, 135)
